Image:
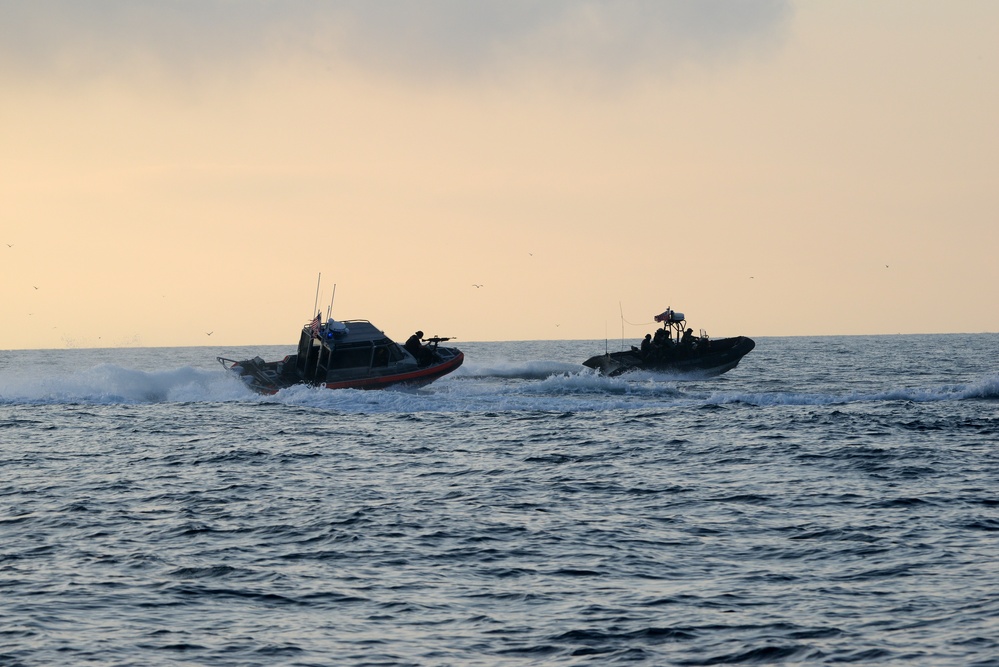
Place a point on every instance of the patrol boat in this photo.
(350, 354)
(674, 349)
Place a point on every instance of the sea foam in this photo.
(111, 384)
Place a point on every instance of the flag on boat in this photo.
(664, 316)
(314, 327)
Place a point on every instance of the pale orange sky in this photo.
(766, 167)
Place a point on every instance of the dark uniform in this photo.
(415, 347)
(646, 349)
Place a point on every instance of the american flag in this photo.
(664, 316)
(314, 327)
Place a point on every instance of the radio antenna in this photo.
(315, 306)
(622, 323)
(329, 311)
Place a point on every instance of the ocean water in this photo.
(831, 500)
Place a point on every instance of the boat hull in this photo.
(712, 359)
(418, 378)
(269, 377)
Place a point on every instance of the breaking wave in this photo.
(529, 370)
(112, 384)
(530, 385)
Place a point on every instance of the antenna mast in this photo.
(622, 323)
(329, 311)
(315, 307)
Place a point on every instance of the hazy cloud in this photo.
(426, 38)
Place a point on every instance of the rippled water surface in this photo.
(830, 500)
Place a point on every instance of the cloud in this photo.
(421, 38)
(471, 38)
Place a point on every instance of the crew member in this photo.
(416, 348)
(688, 338)
(646, 348)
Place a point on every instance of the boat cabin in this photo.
(352, 348)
